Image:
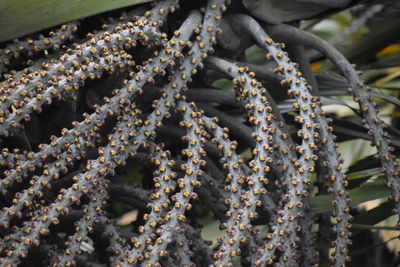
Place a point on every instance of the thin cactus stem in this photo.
(183, 250)
(188, 68)
(97, 168)
(362, 96)
(112, 105)
(218, 96)
(107, 61)
(165, 184)
(199, 246)
(118, 245)
(51, 171)
(313, 121)
(133, 137)
(91, 214)
(296, 180)
(124, 33)
(242, 203)
(297, 54)
(237, 129)
(137, 196)
(186, 184)
(30, 47)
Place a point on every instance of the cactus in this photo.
(78, 112)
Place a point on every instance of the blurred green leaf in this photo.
(392, 74)
(373, 216)
(386, 97)
(133, 175)
(119, 207)
(373, 227)
(382, 33)
(386, 62)
(368, 249)
(364, 174)
(255, 55)
(393, 85)
(211, 230)
(365, 192)
(331, 83)
(18, 18)
(224, 84)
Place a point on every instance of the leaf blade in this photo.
(18, 18)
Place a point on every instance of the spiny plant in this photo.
(79, 109)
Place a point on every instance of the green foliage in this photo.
(18, 18)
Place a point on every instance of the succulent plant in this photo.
(81, 107)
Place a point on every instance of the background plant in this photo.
(133, 142)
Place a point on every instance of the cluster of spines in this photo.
(62, 86)
(96, 119)
(294, 181)
(310, 110)
(181, 200)
(92, 212)
(241, 202)
(62, 200)
(306, 104)
(87, 126)
(50, 171)
(124, 35)
(171, 93)
(257, 192)
(12, 158)
(165, 183)
(114, 154)
(131, 132)
(376, 126)
(381, 141)
(33, 87)
(310, 116)
(100, 170)
(31, 47)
